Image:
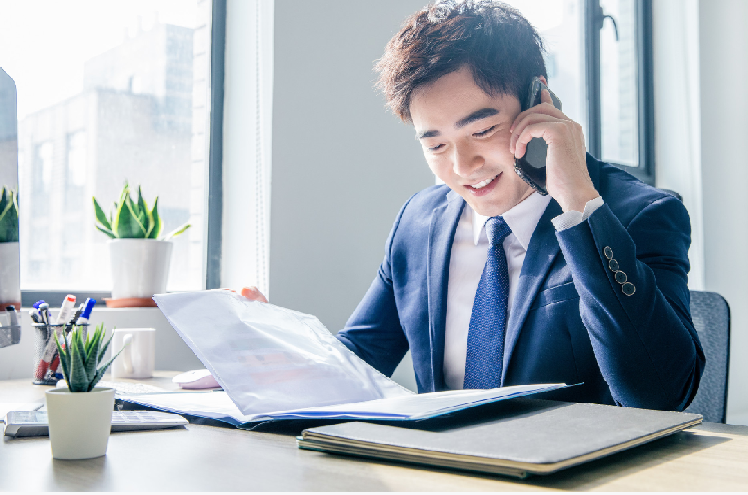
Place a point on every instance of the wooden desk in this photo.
(207, 458)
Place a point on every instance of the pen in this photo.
(74, 319)
(34, 314)
(44, 313)
(49, 351)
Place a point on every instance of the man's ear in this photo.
(542, 79)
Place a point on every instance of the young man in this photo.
(490, 284)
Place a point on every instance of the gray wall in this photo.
(342, 164)
(724, 125)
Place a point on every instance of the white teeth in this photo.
(483, 184)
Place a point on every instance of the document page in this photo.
(421, 406)
(269, 358)
(218, 405)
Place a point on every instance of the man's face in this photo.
(465, 137)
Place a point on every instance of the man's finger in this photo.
(545, 97)
(253, 294)
(528, 120)
(550, 110)
(543, 130)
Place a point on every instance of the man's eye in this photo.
(485, 132)
(436, 148)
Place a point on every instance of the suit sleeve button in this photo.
(620, 277)
(613, 265)
(628, 289)
(608, 252)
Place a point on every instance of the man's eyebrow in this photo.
(427, 134)
(477, 115)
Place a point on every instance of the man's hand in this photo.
(253, 294)
(568, 180)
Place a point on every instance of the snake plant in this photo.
(80, 363)
(8, 216)
(133, 219)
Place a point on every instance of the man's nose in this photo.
(465, 160)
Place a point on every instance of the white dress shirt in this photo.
(469, 252)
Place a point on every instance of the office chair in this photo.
(672, 193)
(711, 318)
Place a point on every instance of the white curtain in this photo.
(247, 125)
(678, 115)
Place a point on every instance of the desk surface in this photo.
(208, 458)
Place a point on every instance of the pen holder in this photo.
(9, 334)
(47, 369)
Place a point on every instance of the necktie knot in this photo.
(497, 230)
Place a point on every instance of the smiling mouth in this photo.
(482, 184)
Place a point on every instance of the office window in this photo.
(620, 84)
(599, 64)
(618, 91)
(559, 23)
(108, 92)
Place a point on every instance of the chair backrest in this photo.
(711, 317)
(673, 193)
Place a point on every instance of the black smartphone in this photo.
(531, 167)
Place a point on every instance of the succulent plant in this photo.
(80, 362)
(133, 220)
(8, 216)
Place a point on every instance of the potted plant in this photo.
(139, 255)
(10, 269)
(80, 416)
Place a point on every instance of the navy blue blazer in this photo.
(571, 321)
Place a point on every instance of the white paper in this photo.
(274, 363)
(419, 406)
(218, 405)
(269, 358)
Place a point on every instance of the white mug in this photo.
(138, 356)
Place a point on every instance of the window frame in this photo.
(214, 202)
(593, 24)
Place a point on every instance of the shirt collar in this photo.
(521, 218)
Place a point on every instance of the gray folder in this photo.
(516, 438)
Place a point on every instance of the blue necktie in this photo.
(485, 343)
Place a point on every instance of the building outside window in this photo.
(108, 92)
(118, 91)
(603, 85)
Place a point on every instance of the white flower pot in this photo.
(79, 422)
(140, 267)
(10, 274)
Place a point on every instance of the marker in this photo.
(44, 313)
(48, 355)
(66, 310)
(85, 315)
(87, 309)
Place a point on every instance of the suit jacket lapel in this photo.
(441, 234)
(541, 251)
